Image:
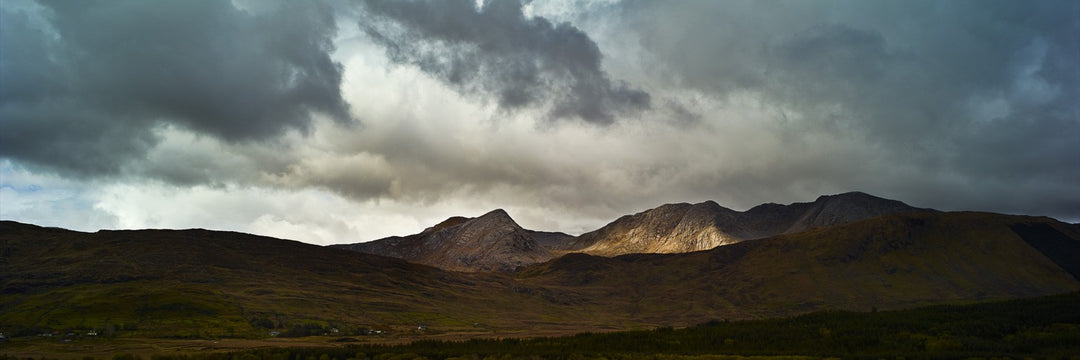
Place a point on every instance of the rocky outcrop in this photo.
(677, 228)
(671, 228)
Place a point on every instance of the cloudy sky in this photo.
(346, 121)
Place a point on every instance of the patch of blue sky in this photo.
(48, 200)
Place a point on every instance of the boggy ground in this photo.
(147, 348)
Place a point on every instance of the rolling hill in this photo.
(888, 262)
(199, 283)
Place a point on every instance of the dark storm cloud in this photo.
(86, 82)
(495, 51)
(974, 98)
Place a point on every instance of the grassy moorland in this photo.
(199, 284)
(887, 263)
(190, 288)
(1047, 327)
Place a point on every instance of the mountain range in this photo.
(781, 260)
(494, 242)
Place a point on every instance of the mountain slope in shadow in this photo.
(199, 283)
(893, 261)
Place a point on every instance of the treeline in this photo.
(1046, 327)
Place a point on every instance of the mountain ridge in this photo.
(199, 283)
(707, 225)
(495, 242)
(886, 262)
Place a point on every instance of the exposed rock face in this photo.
(887, 262)
(491, 242)
(494, 242)
(677, 228)
(671, 228)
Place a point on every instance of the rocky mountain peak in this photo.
(705, 211)
(857, 200)
(847, 207)
(685, 227)
(494, 241)
(497, 217)
(848, 195)
(490, 242)
(709, 204)
(491, 228)
(452, 221)
(669, 228)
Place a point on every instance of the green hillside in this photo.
(1047, 327)
(890, 262)
(203, 284)
(207, 284)
(1038, 328)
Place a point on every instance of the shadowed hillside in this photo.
(885, 263)
(198, 283)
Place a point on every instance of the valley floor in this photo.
(146, 348)
(1046, 327)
